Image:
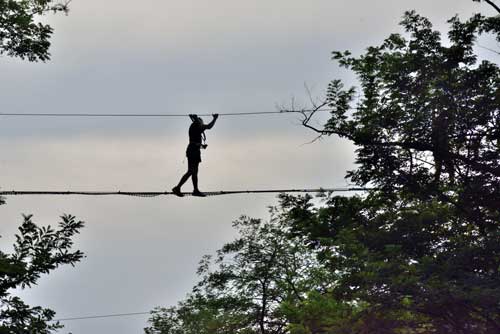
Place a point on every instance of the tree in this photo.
(247, 287)
(20, 33)
(420, 253)
(37, 251)
(426, 109)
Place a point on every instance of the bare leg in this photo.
(194, 176)
(177, 189)
(193, 173)
(184, 178)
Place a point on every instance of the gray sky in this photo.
(172, 57)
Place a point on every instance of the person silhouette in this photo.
(193, 153)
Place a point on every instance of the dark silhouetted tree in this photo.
(247, 286)
(37, 251)
(21, 35)
(421, 252)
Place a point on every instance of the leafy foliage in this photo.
(244, 289)
(20, 34)
(426, 110)
(37, 251)
(421, 252)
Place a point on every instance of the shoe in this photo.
(177, 192)
(199, 193)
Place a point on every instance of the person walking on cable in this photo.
(193, 153)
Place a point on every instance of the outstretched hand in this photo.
(215, 116)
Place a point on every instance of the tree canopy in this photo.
(37, 251)
(21, 35)
(246, 288)
(420, 253)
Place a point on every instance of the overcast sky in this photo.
(169, 56)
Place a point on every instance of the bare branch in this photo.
(309, 93)
(425, 161)
(308, 115)
(314, 140)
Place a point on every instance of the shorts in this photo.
(193, 154)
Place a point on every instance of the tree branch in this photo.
(422, 147)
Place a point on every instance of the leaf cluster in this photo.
(250, 286)
(37, 251)
(21, 35)
(427, 121)
(421, 252)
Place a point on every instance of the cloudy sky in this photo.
(173, 56)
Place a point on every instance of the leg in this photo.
(184, 178)
(194, 176)
(194, 159)
(177, 189)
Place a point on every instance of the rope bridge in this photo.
(166, 193)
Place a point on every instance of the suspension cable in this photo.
(101, 316)
(284, 111)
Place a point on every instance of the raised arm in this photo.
(211, 124)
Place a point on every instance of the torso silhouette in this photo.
(195, 133)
